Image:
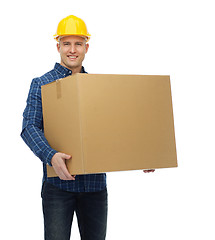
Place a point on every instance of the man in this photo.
(62, 196)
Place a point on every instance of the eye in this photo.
(79, 44)
(66, 44)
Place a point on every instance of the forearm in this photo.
(37, 142)
(32, 125)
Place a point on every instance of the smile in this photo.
(72, 57)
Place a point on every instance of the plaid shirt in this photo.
(33, 135)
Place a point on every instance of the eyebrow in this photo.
(79, 42)
(75, 42)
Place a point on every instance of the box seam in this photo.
(80, 121)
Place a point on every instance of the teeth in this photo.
(72, 57)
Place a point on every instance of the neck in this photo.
(74, 70)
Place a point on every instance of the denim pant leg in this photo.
(91, 214)
(58, 210)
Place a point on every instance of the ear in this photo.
(58, 47)
(87, 47)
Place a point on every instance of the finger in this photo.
(66, 173)
(65, 156)
(63, 173)
(62, 176)
(149, 170)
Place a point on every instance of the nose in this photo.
(73, 48)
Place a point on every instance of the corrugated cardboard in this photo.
(110, 122)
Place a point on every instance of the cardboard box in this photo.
(110, 122)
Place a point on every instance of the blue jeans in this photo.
(59, 207)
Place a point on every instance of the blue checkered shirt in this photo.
(33, 135)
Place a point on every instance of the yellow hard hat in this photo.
(72, 25)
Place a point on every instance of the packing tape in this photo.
(58, 88)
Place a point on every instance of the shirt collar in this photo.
(65, 71)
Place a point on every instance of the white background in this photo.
(167, 37)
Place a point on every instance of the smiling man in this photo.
(63, 195)
(72, 50)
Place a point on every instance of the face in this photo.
(72, 50)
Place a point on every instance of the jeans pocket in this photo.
(49, 191)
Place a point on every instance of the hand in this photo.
(149, 170)
(58, 162)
